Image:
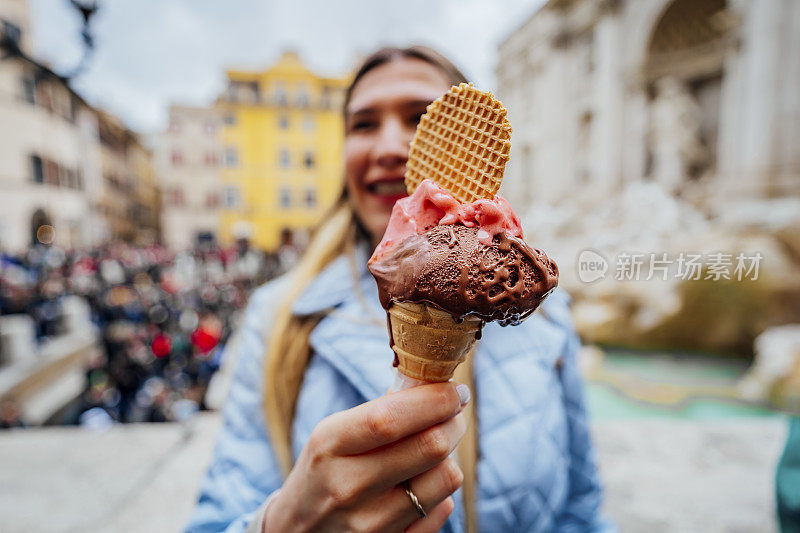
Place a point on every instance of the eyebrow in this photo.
(410, 105)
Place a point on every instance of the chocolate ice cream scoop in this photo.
(450, 268)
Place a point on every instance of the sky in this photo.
(151, 53)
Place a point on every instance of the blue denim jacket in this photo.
(537, 469)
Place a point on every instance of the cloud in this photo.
(151, 53)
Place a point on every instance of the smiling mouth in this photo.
(388, 188)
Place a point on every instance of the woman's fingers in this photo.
(394, 510)
(431, 488)
(390, 418)
(410, 456)
(358, 457)
(436, 518)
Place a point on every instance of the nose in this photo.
(391, 146)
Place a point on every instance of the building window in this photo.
(302, 95)
(175, 197)
(232, 197)
(233, 91)
(308, 123)
(229, 119)
(308, 159)
(311, 198)
(64, 179)
(280, 94)
(61, 102)
(177, 157)
(244, 91)
(283, 121)
(283, 158)
(212, 200)
(285, 197)
(44, 95)
(231, 157)
(325, 99)
(50, 172)
(205, 238)
(174, 124)
(211, 159)
(29, 89)
(37, 169)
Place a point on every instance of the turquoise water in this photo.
(687, 372)
(605, 403)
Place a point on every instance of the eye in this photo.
(361, 122)
(362, 125)
(413, 119)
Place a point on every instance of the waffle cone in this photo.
(462, 143)
(428, 342)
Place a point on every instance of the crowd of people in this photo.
(161, 319)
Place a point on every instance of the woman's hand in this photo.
(348, 475)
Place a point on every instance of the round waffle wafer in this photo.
(462, 143)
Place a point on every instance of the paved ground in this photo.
(137, 477)
(661, 475)
(691, 476)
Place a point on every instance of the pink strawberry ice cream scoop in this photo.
(432, 205)
(464, 258)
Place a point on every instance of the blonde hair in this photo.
(288, 349)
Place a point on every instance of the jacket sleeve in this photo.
(582, 511)
(243, 471)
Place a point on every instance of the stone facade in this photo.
(188, 157)
(69, 174)
(658, 128)
(127, 199)
(699, 96)
(49, 155)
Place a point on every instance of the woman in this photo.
(333, 451)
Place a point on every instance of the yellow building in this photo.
(282, 151)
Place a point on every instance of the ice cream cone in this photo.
(428, 342)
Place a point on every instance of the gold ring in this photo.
(414, 500)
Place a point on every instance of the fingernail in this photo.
(463, 393)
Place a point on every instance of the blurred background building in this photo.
(698, 96)
(49, 151)
(262, 163)
(282, 157)
(188, 158)
(70, 174)
(661, 128)
(129, 200)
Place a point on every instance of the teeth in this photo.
(389, 187)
